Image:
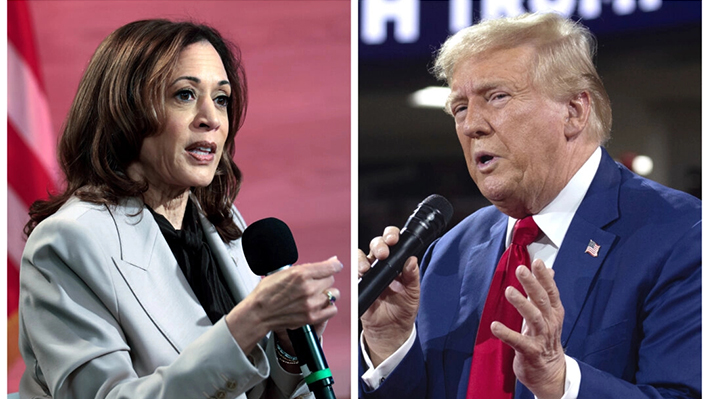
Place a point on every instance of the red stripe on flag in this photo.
(25, 174)
(13, 287)
(20, 34)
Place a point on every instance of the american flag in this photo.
(592, 248)
(31, 160)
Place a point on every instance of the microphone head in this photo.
(429, 220)
(427, 223)
(441, 204)
(268, 246)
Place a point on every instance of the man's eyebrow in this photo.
(487, 86)
(478, 88)
(198, 80)
(452, 97)
(475, 88)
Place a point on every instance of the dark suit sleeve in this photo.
(669, 361)
(408, 380)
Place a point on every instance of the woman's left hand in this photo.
(284, 341)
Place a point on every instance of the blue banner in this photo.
(415, 28)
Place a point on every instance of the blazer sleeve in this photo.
(73, 342)
(280, 384)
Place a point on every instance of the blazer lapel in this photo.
(153, 275)
(239, 278)
(575, 268)
(232, 262)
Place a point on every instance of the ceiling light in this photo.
(642, 165)
(430, 97)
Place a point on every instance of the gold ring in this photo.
(331, 298)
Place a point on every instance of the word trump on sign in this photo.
(405, 15)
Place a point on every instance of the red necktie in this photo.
(491, 375)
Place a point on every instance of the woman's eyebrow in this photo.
(198, 80)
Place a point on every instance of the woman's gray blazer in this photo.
(106, 312)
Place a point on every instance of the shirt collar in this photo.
(555, 218)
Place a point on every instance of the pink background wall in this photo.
(294, 148)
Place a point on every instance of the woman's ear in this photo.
(578, 110)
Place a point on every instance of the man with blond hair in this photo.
(610, 307)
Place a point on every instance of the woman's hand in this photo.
(283, 340)
(285, 343)
(287, 299)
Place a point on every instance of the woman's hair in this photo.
(564, 58)
(121, 101)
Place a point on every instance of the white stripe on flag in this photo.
(28, 110)
(17, 217)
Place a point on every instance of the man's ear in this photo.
(578, 110)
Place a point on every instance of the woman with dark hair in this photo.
(133, 280)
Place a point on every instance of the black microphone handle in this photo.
(317, 374)
(383, 272)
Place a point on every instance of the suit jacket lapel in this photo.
(479, 264)
(153, 275)
(575, 269)
(239, 278)
(230, 257)
(490, 253)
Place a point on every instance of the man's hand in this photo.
(539, 361)
(388, 323)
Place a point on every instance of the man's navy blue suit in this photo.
(632, 314)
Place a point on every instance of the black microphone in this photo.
(426, 224)
(269, 247)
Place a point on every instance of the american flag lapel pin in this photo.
(592, 248)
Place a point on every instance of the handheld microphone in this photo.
(269, 247)
(426, 224)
